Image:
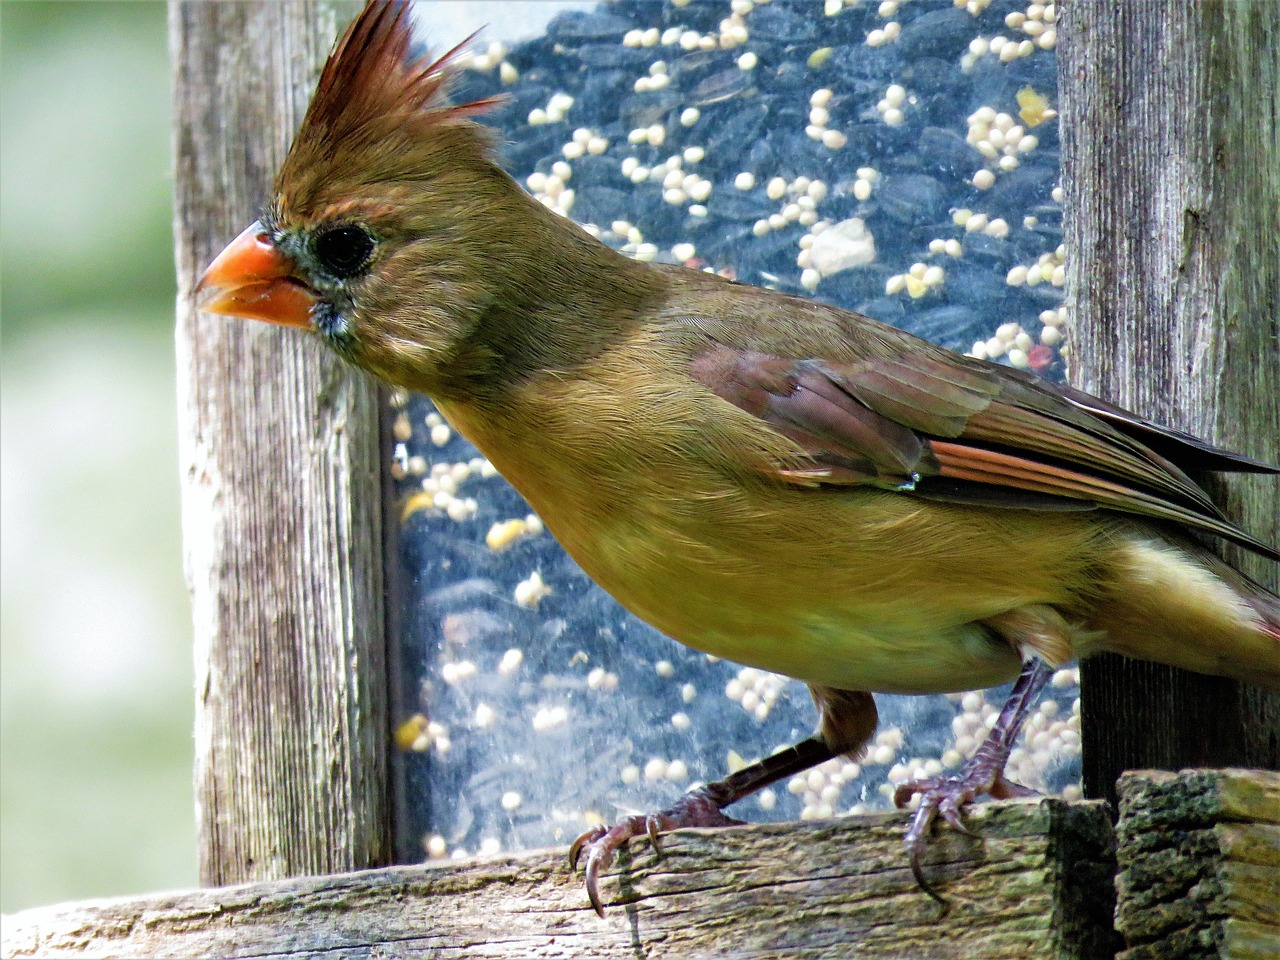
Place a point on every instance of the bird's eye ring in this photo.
(344, 251)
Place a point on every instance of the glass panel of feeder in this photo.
(896, 159)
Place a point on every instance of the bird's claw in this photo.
(937, 796)
(600, 843)
(947, 797)
(578, 845)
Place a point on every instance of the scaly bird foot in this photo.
(600, 843)
(983, 775)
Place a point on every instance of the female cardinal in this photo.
(767, 479)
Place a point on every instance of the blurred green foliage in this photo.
(95, 635)
(84, 160)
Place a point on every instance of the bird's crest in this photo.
(370, 74)
(376, 106)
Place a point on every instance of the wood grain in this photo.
(282, 511)
(1037, 883)
(1171, 169)
(1199, 857)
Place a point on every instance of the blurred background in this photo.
(96, 704)
(95, 631)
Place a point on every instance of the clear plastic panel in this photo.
(897, 159)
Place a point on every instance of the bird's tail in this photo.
(1265, 604)
(1173, 601)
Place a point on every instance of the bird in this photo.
(762, 477)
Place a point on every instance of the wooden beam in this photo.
(281, 490)
(1199, 857)
(1036, 883)
(1171, 168)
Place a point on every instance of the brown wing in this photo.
(941, 426)
(1190, 451)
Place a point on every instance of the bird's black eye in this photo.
(343, 251)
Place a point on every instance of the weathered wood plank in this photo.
(1199, 858)
(1037, 883)
(281, 490)
(1171, 169)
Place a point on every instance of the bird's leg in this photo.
(699, 808)
(983, 774)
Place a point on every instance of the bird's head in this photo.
(376, 234)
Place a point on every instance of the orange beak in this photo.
(251, 278)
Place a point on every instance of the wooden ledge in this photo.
(1036, 883)
(1199, 858)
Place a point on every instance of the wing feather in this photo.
(945, 427)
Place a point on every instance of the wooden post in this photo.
(1171, 168)
(1199, 859)
(281, 491)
